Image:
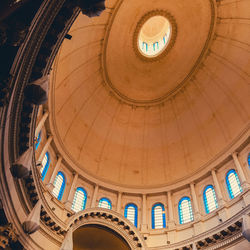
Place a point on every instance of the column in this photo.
(222, 213)
(93, 201)
(242, 176)
(68, 203)
(45, 149)
(246, 227)
(195, 202)
(68, 241)
(41, 123)
(170, 221)
(221, 200)
(144, 226)
(170, 207)
(56, 168)
(119, 200)
(50, 185)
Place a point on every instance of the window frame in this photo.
(61, 190)
(38, 140)
(84, 201)
(158, 204)
(146, 46)
(205, 200)
(228, 184)
(136, 213)
(105, 199)
(46, 167)
(248, 160)
(180, 212)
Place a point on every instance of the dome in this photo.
(130, 120)
(127, 122)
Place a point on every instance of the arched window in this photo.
(105, 203)
(38, 140)
(158, 216)
(45, 165)
(233, 184)
(80, 199)
(146, 46)
(131, 213)
(164, 38)
(209, 197)
(156, 46)
(185, 210)
(59, 185)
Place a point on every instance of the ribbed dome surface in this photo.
(140, 123)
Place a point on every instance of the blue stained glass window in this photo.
(185, 210)
(209, 197)
(131, 213)
(164, 39)
(248, 159)
(156, 45)
(105, 203)
(59, 185)
(38, 140)
(158, 216)
(233, 184)
(80, 199)
(144, 46)
(45, 165)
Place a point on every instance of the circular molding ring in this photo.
(158, 101)
(171, 42)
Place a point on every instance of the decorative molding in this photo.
(149, 103)
(110, 219)
(220, 235)
(170, 44)
(8, 152)
(226, 242)
(12, 118)
(7, 235)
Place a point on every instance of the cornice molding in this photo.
(170, 44)
(10, 190)
(235, 219)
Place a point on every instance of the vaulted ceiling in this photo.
(134, 122)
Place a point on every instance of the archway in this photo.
(98, 237)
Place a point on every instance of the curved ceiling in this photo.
(95, 237)
(139, 123)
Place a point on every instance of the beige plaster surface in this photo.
(139, 80)
(97, 238)
(160, 144)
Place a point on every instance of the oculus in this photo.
(154, 36)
